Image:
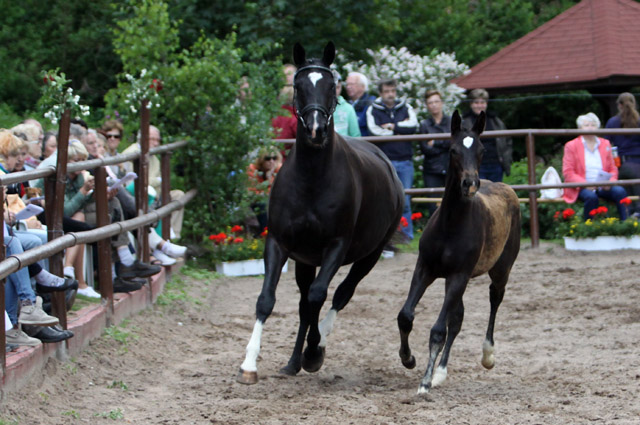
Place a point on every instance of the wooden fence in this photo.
(529, 138)
(55, 180)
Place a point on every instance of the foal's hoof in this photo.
(409, 364)
(290, 370)
(312, 362)
(247, 378)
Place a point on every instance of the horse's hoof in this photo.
(488, 362)
(423, 390)
(289, 370)
(247, 378)
(313, 363)
(409, 364)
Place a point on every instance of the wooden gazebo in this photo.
(591, 46)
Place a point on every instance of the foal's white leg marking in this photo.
(326, 326)
(439, 376)
(467, 142)
(253, 349)
(488, 360)
(315, 77)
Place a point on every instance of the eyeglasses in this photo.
(270, 158)
(112, 136)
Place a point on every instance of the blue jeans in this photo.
(404, 170)
(493, 172)
(18, 285)
(591, 199)
(30, 240)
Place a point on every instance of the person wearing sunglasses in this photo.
(262, 173)
(113, 131)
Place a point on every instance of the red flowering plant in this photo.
(569, 224)
(234, 244)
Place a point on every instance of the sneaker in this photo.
(137, 269)
(163, 258)
(88, 292)
(121, 285)
(388, 254)
(15, 336)
(173, 250)
(33, 314)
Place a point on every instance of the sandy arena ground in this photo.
(566, 336)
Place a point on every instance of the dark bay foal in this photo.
(475, 230)
(335, 201)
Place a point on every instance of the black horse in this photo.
(335, 201)
(476, 230)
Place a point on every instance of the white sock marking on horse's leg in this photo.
(253, 349)
(326, 326)
(439, 376)
(488, 359)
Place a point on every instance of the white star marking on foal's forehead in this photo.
(467, 142)
(314, 77)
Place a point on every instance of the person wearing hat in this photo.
(498, 151)
(345, 120)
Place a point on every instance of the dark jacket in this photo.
(405, 120)
(436, 157)
(628, 144)
(497, 149)
(361, 105)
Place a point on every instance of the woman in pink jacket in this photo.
(588, 158)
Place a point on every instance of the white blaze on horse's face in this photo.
(314, 127)
(467, 142)
(314, 77)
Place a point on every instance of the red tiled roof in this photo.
(593, 43)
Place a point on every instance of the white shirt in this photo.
(592, 161)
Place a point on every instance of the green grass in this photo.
(71, 413)
(11, 421)
(118, 384)
(112, 414)
(120, 334)
(82, 301)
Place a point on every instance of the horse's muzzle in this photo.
(470, 186)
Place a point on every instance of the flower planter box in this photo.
(602, 243)
(244, 268)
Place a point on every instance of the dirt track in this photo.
(567, 352)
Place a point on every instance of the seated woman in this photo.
(588, 158)
(79, 204)
(262, 172)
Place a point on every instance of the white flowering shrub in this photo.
(135, 90)
(56, 97)
(415, 75)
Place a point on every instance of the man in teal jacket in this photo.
(345, 120)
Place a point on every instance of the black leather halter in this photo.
(328, 114)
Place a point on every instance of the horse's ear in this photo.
(456, 122)
(478, 127)
(299, 56)
(329, 53)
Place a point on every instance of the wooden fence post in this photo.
(104, 245)
(533, 195)
(142, 182)
(54, 196)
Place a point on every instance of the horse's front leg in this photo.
(304, 277)
(454, 290)
(333, 257)
(419, 283)
(274, 258)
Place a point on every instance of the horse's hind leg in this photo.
(454, 324)
(304, 277)
(419, 283)
(345, 291)
(499, 275)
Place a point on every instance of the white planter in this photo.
(244, 268)
(602, 243)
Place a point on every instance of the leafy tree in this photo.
(200, 103)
